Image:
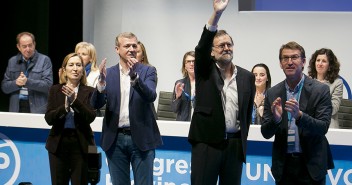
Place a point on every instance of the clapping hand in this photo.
(21, 80)
(132, 64)
(178, 89)
(292, 106)
(259, 97)
(102, 69)
(276, 109)
(69, 92)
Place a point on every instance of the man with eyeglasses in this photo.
(297, 112)
(222, 115)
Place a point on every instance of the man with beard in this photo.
(222, 114)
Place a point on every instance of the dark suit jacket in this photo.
(144, 129)
(84, 115)
(208, 121)
(182, 106)
(315, 103)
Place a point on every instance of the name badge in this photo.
(291, 137)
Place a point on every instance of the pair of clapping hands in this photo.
(291, 106)
(69, 91)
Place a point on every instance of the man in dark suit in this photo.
(298, 111)
(222, 115)
(130, 133)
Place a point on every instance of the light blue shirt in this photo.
(295, 93)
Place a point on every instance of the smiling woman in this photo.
(262, 83)
(325, 67)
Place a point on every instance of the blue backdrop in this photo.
(23, 157)
(303, 5)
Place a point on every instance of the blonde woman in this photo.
(70, 114)
(89, 55)
(142, 57)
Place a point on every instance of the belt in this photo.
(294, 155)
(233, 135)
(125, 130)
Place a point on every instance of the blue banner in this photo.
(23, 158)
(304, 5)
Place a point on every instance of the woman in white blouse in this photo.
(89, 55)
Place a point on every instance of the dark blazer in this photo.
(144, 129)
(315, 103)
(182, 106)
(208, 120)
(84, 115)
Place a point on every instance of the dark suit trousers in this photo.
(68, 163)
(296, 173)
(209, 163)
(24, 106)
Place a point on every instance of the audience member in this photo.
(325, 67)
(142, 57)
(222, 114)
(184, 90)
(262, 83)
(130, 133)
(89, 55)
(28, 77)
(297, 111)
(69, 113)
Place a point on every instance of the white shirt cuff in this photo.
(211, 27)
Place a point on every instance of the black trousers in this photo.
(24, 106)
(210, 164)
(296, 173)
(69, 163)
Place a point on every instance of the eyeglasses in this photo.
(222, 46)
(287, 58)
(190, 61)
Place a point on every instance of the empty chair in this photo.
(164, 111)
(345, 114)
